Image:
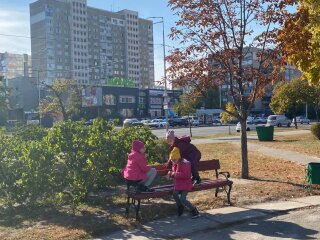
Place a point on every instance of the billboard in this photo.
(91, 97)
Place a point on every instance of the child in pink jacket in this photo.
(137, 168)
(181, 173)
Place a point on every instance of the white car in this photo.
(250, 126)
(146, 122)
(157, 123)
(193, 120)
(278, 120)
(301, 120)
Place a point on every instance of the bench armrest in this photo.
(225, 174)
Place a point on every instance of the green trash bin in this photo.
(265, 133)
(313, 176)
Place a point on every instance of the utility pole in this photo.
(39, 95)
(166, 103)
(165, 95)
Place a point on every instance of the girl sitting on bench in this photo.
(137, 172)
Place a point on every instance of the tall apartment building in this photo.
(72, 40)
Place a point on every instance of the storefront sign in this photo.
(120, 82)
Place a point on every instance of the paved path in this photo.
(284, 154)
(273, 152)
(303, 224)
(216, 221)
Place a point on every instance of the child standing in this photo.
(137, 170)
(181, 173)
(188, 151)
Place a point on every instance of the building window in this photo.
(109, 100)
(127, 99)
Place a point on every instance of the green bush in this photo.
(315, 129)
(30, 132)
(68, 161)
(162, 150)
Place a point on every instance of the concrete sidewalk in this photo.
(179, 227)
(284, 154)
(250, 137)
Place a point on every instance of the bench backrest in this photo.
(203, 165)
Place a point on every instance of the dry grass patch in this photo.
(302, 143)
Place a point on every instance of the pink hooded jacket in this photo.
(182, 177)
(137, 166)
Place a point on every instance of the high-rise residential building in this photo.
(92, 46)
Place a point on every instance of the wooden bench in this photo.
(216, 183)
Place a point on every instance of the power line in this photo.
(68, 39)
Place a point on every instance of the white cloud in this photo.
(14, 23)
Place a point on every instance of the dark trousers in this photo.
(181, 199)
(194, 171)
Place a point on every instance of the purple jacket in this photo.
(187, 150)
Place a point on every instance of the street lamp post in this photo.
(165, 95)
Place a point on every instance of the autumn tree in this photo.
(290, 96)
(229, 115)
(316, 100)
(63, 99)
(220, 47)
(186, 106)
(302, 48)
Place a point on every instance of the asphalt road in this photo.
(302, 224)
(197, 131)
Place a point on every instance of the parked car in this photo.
(260, 120)
(89, 122)
(146, 121)
(131, 122)
(250, 126)
(216, 120)
(161, 118)
(178, 122)
(193, 120)
(301, 120)
(278, 120)
(157, 123)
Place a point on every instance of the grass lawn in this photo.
(273, 179)
(217, 135)
(302, 143)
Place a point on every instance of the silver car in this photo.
(278, 120)
(301, 120)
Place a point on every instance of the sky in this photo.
(14, 20)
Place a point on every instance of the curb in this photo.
(176, 228)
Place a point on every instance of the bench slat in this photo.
(209, 165)
(167, 190)
(203, 165)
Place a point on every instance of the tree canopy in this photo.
(302, 48)
(185, 106)
(291, 95)
(63, 99)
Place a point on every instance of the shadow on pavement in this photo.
(233, 225)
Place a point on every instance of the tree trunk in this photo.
(295, 121)
(244, 150)
(189, 125)
(316, 109)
